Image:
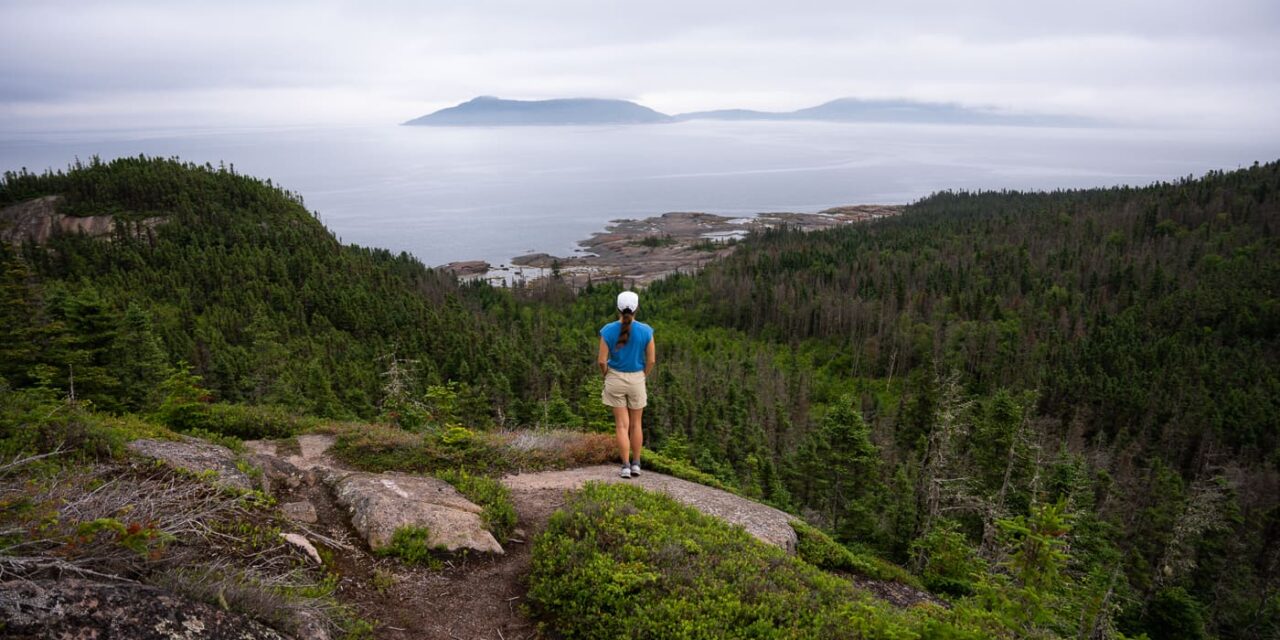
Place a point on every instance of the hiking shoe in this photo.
(626, 472)
(635, 468)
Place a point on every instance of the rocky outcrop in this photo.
(70, 608)
(468, 267)
(381, 503)
(642, 251)
(198, 457)
(760, 520)
(38, 220)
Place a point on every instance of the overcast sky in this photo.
(87, 65)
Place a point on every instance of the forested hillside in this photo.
(241, 283)
(1063, 407)
(1114, 349)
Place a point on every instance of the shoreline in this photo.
(640, 251)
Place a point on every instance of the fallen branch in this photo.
(18, 462)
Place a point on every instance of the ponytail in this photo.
(624, 334)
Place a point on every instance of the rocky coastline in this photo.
(642, 251)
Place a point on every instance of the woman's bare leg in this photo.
(621, 420)
(637, 432)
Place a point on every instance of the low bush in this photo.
(410, 544)
(499, 511)
(820, 550)
(246, 422)
(622, 562)
(36, 422)
(683, 470)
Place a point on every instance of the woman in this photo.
(626, 357)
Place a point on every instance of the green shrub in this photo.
(622, 562)
(499, 511)
(186, 407)
(245, 422)
(36, 421)
(231, 442)
(683, 470)
(457, 436)
(820, 550)
(949, 562)
(410, 544)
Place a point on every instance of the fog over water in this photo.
(445, 194)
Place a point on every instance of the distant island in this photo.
(491, 111)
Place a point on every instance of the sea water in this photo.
(455, 193)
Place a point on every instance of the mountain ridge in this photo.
(493, 111)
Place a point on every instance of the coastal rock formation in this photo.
(381, 503)
(468, 267)
(641, 251)
(71, 608)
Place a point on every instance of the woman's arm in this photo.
(650, 358)
(602, 357)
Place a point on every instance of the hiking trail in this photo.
(478, 595)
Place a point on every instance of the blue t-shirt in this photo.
(631, 356)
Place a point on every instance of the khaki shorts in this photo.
(624, 389)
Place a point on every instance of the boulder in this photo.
(72, 608)
(381, 503)
(300, 511)
(196, 456)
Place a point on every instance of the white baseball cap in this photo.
(628, 300)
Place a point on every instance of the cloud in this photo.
(88, 64)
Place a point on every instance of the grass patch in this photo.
(818, 549)
(622, 562)
(499, 511)
(543, 449)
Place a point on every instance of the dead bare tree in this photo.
(949, 425)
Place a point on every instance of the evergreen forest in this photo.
(1062, 408)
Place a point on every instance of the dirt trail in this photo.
(482, 596)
